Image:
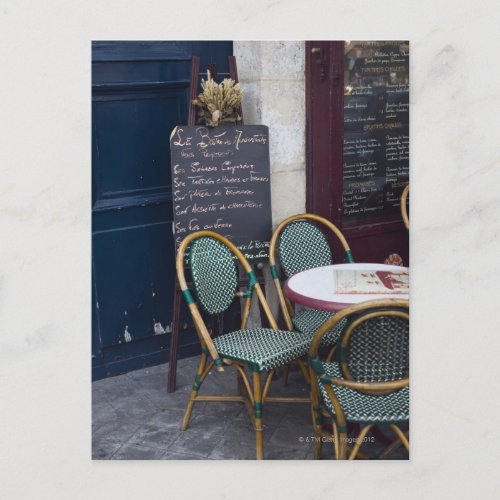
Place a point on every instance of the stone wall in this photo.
(273, 80)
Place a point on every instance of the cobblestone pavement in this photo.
(134, 418)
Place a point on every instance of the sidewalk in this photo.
(134, 418)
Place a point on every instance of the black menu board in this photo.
(221, 183)
(376, 128)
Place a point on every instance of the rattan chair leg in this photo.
(391, 448)
(318, 446)
(194, 392)
(267, 385)
(381, 436)
(342, 446)
(257, 395)
(359, 441)
(245, 392)
(286, 371)
(401, 436)
(246, 383)
(316, 419)
(303, 369)
(239, 385)
(187, 414)
(336, 438)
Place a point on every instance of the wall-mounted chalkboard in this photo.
(376, 128)
(221, 183)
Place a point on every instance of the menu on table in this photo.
(366, 281)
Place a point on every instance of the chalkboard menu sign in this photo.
(221, 183)
(376, 129)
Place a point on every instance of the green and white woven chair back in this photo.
(378, 350)
(302, 246)
(214, 274)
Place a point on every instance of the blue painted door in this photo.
(140, 91)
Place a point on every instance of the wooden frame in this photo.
(397, 308)
(254, 394)
(324, 62)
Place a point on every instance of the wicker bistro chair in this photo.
(369, 384)
(301, 245)
(403, 207)
(214, 273)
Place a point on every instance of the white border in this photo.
(45, 247)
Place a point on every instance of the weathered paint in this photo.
(126, 334)
(159, 330)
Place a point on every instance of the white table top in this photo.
(314, 288)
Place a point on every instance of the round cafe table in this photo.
(314, 288)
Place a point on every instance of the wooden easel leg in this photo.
(174, 340)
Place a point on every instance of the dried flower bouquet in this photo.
(219, 103)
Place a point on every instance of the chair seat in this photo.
(262, 348)
(308, 322)
(366, 408)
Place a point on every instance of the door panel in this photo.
(134, 156)
(139, 281)
(140, 91)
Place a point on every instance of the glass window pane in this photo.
(376, 129)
